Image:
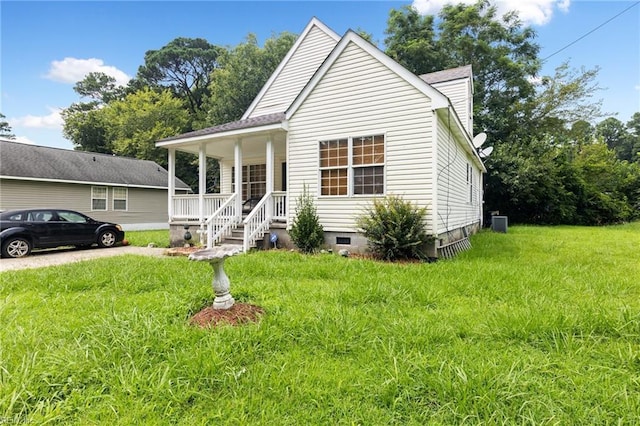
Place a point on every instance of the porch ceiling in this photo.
(222, 146)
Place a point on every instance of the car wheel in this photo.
(16, 247)
(107, 239)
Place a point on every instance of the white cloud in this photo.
(72, 70)
(536, 12)
(50, 121)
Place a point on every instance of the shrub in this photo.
(306, 232)
(395, 229)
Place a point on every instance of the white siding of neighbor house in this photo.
(455, 209)
(144, 205)
(461, 97)
(359, 96)
(294, 76)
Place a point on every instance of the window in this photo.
(120, 198)
(98, 198)
(334, 162)
(356, 159)
(470, 182)
(71, 217)
(254, 180)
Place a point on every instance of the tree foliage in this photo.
(184, 65)
(5, 128)
(242, 73)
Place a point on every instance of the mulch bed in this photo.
(238, 314)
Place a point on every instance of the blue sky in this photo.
(46, 46)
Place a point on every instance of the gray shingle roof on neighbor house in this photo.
(248, 123)
(41, 162)
(448, 75)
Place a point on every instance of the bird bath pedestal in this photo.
(216, 256)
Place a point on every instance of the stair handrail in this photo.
(222, 221)
(257, 222)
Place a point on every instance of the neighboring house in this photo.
(127, 191)
(352, 125)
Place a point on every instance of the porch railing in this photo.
(222, 221)
(187, 207)
(273, 206)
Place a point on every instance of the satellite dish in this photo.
(484, 153)
(479, 139)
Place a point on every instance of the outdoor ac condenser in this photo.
(499, 223)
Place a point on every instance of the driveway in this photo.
(42, 258)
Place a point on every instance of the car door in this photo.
(42, 228)
(77, 228)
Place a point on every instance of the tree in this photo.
(99, 87)
(5, 128)
(141, 119)
(500, 50)
(85, 126)
(242, 73)
(184, 65)
(615, 135)
(306, 231)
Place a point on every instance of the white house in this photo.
(343, 119)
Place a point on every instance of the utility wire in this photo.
(590, 32)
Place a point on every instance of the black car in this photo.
(24, 230)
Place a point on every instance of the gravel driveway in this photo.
(39, 259)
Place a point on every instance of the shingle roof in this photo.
(41, 162)
(261, 120)
(448, 75)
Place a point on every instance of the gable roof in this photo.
(34, 162)
(448, 75)
(438, 99)
(303, 69)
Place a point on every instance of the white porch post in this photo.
(171, 185)
(270, 175)
(238, 172)
(202, 182)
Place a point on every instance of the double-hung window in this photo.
(352, 166)
(98, 198)
(120, 198)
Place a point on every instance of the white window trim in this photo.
(350, 167)
(126, 199)
(106, 198)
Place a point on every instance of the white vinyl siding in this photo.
(297, 72)
(361, 96)
(460, 94)
(458, 183)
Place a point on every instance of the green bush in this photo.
(395, 229)
(306, 232)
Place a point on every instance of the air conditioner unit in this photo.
(499, 223)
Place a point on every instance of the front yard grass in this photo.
(537, 326)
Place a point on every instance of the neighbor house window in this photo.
(359, 160)
(120, 198)
(98, 198)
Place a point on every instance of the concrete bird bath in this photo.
(221, 285)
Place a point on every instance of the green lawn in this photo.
(537, 326)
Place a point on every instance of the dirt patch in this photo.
(238, 314)
(182, 251)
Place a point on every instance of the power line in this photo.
(590, 32)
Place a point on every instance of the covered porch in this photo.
(253, 180)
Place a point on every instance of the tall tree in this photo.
(99, 87)
(5, 128)
(500, 50)
(184, 65)
(243, 72)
